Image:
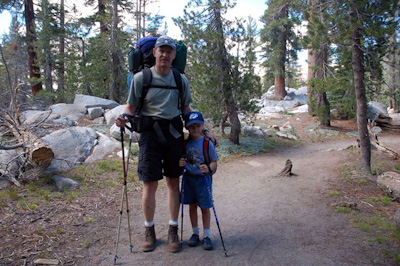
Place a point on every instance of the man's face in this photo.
(164, 56)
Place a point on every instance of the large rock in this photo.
(49, 117)
(95, 112)
(390, 182)
(71, 147)
(65, 183)
(87, 101)
(111, 114)
(376, 108)
(115, 132)
(8, 163)
(253, 131)
(72, 111)
(105, 146)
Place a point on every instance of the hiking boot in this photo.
(193, 240)
(149, 239)
(173, 241)
(207, 244)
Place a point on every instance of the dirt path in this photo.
(264, 220)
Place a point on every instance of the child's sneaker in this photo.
(193, 240)
(207, 244)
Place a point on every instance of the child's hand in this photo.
(204, 168)
(182, 162)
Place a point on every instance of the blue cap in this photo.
(165, 40)
(193, 118)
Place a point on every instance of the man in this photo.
(161, 142)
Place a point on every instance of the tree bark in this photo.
(280, 90)
(61, 67)
(102, 15)
(34, 70)
(225, 66)
(362, 122)
(317, 60)
(115, 88)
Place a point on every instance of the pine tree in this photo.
(280, 39)
(318, 53)
(209, 65)
(368, 25)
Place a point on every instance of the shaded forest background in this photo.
(51, 53)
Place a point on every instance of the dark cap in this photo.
(165, 40)
(193, 118)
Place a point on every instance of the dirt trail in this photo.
(265, 220)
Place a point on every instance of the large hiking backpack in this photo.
(142, 57)
(206, 151)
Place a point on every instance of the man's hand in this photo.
(121, 121)
(182, 162)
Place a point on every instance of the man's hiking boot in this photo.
(149, 239)
(173, 241)
(193, 240)
(207, 244)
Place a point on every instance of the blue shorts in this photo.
(195, 191)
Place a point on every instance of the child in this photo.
(196, 190)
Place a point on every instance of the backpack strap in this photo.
(147, 77)
(206, 143)
(178, 81)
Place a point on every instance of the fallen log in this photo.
(37, 151)
(380, 147)
(386, 122)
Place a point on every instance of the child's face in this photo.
(195, 130)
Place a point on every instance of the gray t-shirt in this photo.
(159, 102)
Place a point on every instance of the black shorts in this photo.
(156, 158)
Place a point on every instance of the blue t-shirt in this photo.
(195, 156)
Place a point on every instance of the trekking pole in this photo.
(124, 195)
(182, 197)
(215, 214)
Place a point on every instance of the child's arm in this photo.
(206, 169)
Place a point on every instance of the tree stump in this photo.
(287, 171)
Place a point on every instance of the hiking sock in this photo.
(174, 223)
(207, 233)
(148, 224)
(195, 230)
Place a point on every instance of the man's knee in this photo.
(173, 183)
(150, 187)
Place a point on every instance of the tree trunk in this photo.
(362, 122)
(102, 16)
(279, 83)
(225, 66)
(34, 70)
(61, 67)
(88, 89)
(280, 90)
(115, 88)
(317, 60)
